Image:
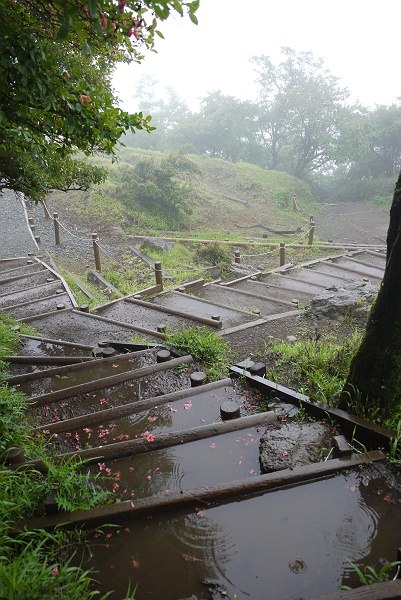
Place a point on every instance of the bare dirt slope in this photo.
(352, 223)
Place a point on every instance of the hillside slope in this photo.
(225, 198)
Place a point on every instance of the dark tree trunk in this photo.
(375, 372)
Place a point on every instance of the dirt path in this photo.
(352, 223)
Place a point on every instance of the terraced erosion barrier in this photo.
(269, 293)
(99, 384)
(117, 513)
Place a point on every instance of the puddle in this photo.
(94, 371)
(217, 459)
(193, 411)
(31, 347)
(277, 545)
(121, 394)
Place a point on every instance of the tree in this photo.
(375, 373)
(55, 68)
(224, 127)
(380, 150)
(167, 111)
(299, 113)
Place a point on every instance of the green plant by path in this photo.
(394, 453)
(75, 488)
(204, 345)
(35, 564)
(369, 575)
(317, 365)
(13, 426)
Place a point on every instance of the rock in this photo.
(115, 232)
(241, 269)
(353, 299)
(158, 244)
(291, 338)
(293, 445)
(211, 272)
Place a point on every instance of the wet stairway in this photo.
(136, 412)
(245, 303)
(34, 293)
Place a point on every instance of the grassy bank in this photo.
(37, 564)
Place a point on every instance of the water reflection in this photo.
(172, 558)
(286, 543)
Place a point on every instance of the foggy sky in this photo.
(358, 40)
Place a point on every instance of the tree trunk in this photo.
(375, 372)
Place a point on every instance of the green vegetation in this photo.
(369, 575)
(80, 297)
(194, 196)
(159, 184)
(216, 255)
(205, 346)
(318, 365)
(13, 427)
(57, 65)
(394, 454)
(37, 564)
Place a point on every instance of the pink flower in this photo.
(55, 570)
(150, 438)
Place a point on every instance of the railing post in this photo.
(282, 254)
(237, 256)
(96, 251)
(311, 232)
(159, 274)
(45, 208)
(56, 228)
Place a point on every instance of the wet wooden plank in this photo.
(204, 496)
(99, 384)
(118, 412)
(390, 590)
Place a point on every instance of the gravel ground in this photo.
(16, 237)
(74, 243)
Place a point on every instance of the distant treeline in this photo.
(301, 124)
